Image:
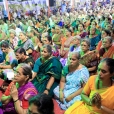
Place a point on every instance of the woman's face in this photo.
(45, 53)
(92, 31)
(93, 24)
(19, 76)
(5, 50)
(80, 27)
(33, 109)
(75, 41)
(12, 35)
(106, 43)
(22, 36)
(18, 56)
(46, 41)
(104, 34)
(72, 60)
(103, 71)
(84, 46)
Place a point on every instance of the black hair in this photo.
(4, 44)
(110, 64)
(20, 51)
(49, 38)
(81, 24)
(107, 32)
(43, 102)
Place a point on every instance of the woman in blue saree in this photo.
(46, 71)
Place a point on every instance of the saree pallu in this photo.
(109, 53)
(107, 100)
(52, 67)
(89, 60)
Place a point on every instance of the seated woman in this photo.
(10, 58)
(108, 48)
(88, 58)
(3, 35)
(15, 98)
(25, 43)
(75, 44)
(41, 104)
(47, 40)
(97, 97)
(65, 47)
(94, 38)
(81, 32)
(13, 39)
(104, 34)
(23, 58)
(46, 71)
(74, 77)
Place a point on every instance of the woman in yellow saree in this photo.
(97, 95)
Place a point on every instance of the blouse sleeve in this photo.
(65, 71)
(37, 65)
(84, 75)
(26, 97)
(88, 87)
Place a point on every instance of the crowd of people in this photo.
(67, 57)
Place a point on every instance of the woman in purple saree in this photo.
(16, 96)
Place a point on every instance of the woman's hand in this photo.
(46, 92)
(96, 100)
(14, 92)
(69, 98)
(61, 96)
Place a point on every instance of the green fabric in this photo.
(73, 24)
(65, 71)
(51, 67)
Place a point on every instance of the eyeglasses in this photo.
(30, 112)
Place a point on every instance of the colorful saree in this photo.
(51, 67)
(25, 92)
(106, 95)
(107, 54)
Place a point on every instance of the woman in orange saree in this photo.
(97, 97)
(108, 48)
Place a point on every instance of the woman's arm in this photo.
(17, 102)
(92, 68)
(109, 111)
(18, 107)
(85, 98)
(5, 66)
(29, 51)
(62, 83)
(49, 84)
(5, 99)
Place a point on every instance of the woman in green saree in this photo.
(46, 71)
